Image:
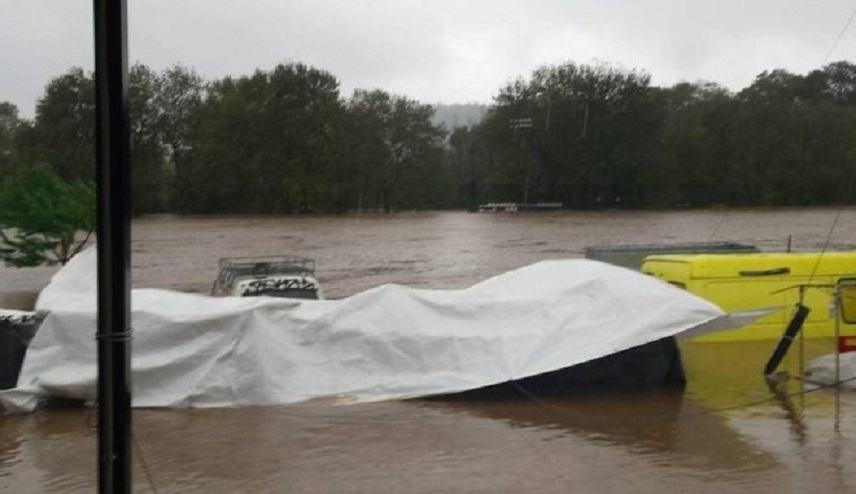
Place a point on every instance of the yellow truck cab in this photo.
(739, 282)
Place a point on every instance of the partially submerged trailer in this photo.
(752, 281)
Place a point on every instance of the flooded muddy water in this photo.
(703, 438)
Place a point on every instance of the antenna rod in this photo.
(114, 239)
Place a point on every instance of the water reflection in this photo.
(664, 425)
(658, 440)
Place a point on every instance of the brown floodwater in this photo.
(701, 439)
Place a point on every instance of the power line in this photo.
(832, 228)
(825, 59)
(838, 39)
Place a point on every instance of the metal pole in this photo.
(837, 316)
(549, 106)
(114, 239)
(802, 351)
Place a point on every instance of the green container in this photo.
(631, 256)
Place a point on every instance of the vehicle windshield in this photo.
(847, 290)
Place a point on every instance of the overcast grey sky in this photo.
(435, 51)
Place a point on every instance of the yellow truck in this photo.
(738, 282)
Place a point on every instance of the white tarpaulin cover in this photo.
(388, 342)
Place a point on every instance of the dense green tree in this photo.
(468, 158)
(64, 127)
(9, 129)
(602, 137)
(262, 143)
(62, 133)
(148, 177)
(694, 163)
(178, 98)
(792, 139)
(396, 148)
(579, 134)
(590, 136)
(43, 218)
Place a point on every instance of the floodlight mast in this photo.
(112, 137)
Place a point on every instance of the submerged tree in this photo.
(396, 149)
(44, 219)
(579, 134)
(9, 124)
(590, 136)
(261, 144)
(64, 126)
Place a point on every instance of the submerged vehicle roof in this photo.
(269, 264)
(233, 268)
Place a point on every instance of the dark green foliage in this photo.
(44, 219)
(62, 133)
(264, 144)
(162, 111)
(468, 159)
(590, 136)
(9, 130)
(612, 140)
(64, 127)
(148, 184)
(284, 142)
(394, 151)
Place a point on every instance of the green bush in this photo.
(44, 219)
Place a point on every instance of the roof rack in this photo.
(234, 267)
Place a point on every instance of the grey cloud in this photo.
(440, 50)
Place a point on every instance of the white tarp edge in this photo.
(390, 342)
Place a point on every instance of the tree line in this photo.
(590, 136)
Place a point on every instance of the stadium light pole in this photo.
(113, 187)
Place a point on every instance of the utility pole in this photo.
(521, 123)
(113, 187)
(541, 155)
(549, 107)
(518, 124)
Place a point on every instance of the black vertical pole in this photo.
(114, 238)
